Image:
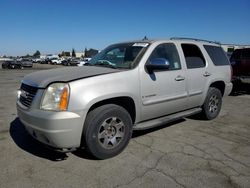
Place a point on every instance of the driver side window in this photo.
(169, 52)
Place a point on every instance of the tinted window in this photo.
(217, 55)
(169, 52)
(193, 56)
(246, 54)
(236, 55)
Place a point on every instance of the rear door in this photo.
(197, 74)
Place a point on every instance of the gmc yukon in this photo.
(127, 86)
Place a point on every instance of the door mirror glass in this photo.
(158, 64)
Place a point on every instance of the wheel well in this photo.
(219, 85)
(125, 102)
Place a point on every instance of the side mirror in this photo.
(157, 64)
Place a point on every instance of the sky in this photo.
(53, 26)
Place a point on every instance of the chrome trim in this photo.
(163, 99)
(30, 83)
(195, 93)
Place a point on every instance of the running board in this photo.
(166, 119)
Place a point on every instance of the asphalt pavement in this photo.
(187, 153)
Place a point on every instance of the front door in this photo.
(163, 91)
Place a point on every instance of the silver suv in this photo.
(128, 86)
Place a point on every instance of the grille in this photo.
(27, 94)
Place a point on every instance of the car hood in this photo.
(42, 79)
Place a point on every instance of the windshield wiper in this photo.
(105, 63)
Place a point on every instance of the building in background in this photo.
(80, 54)
(229, 48)
(90, 53)
(5, 59)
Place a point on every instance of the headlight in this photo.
(56, 97)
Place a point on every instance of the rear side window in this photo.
(193, 56)
(217, 55)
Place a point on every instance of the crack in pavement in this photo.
(229, 157)
(229, 179)
(216, 135)
(171, 177)
(148, 169)
(209, 161)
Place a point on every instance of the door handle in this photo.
(206, 74)
(179, 78)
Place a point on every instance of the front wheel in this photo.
(212, 105)
(107, 131)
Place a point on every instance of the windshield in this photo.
(118, 56)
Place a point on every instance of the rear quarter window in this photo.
(217, 55)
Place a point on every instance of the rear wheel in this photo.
(107, 131)
(212, 105)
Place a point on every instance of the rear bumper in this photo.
(61, 130)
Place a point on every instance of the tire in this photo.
(107, 131)
(212, 105)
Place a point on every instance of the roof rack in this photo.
(183, 38)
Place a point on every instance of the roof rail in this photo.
(183, 38)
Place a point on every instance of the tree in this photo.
(73, 53)
(85, 52)
(37, 54)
